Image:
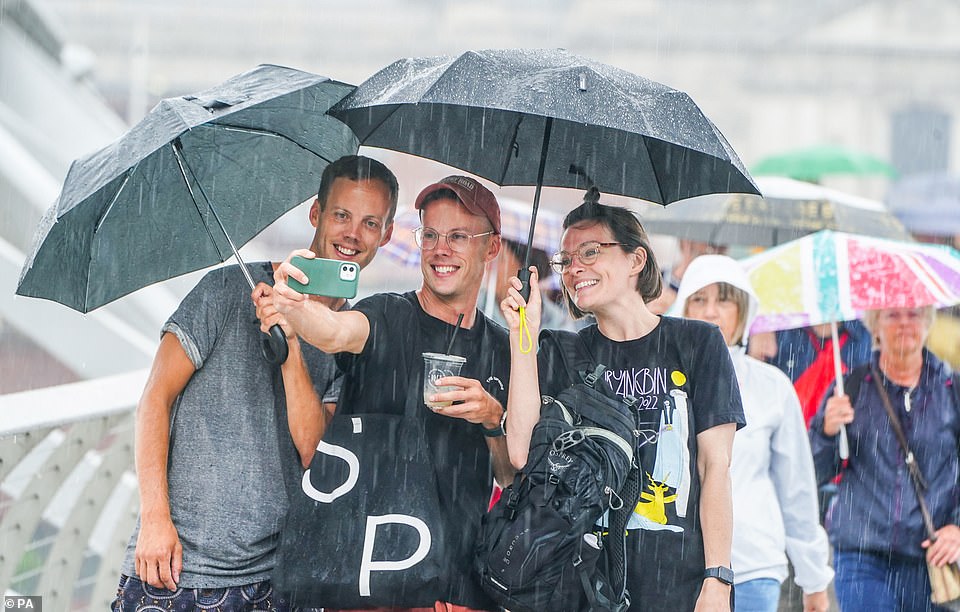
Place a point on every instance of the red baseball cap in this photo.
(475, 197)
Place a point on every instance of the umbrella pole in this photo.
(524, 273)
(274, 347)
(838, 387)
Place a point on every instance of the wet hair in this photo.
(359, 168)
(626, 230)
(729, 293)
(871, 320)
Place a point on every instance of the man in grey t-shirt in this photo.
(219, 431)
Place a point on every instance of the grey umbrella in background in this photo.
(927, 203)
(788, 210)
(546, 117)
(197, 178)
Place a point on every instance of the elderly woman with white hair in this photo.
(880, 543)
(775, 513)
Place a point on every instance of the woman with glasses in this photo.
(880, 546)
(681, 375)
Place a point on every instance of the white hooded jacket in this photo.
(774, 488)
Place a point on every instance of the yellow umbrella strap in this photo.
(525, 332)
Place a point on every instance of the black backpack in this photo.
(540, 547)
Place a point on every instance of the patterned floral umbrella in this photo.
(831, 276)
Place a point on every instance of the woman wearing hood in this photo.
(774, 487)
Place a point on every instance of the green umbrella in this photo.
(813, 163)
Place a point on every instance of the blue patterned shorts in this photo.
(133, 595)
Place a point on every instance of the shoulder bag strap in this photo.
(919, 484)
(853, 380)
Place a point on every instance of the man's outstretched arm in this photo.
(330, 331)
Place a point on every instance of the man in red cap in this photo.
(379, 346)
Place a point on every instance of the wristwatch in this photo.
(721, 573)
(500, 430)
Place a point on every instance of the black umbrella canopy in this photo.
(198, 173)
(487, 112)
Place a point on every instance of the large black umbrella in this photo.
(788, 210)
(198, 177)
(546, 117)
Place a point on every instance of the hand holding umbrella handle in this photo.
(524, 275)
(844, 444)
(273, 347)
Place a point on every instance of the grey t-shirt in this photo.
(230, 448)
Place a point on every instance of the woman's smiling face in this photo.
(593, 285)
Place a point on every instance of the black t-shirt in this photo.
(389, 372)
(685, 383)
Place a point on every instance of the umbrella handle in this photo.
(273, 347)
(524, 275)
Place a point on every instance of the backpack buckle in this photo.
(590, 378)
(568, 439)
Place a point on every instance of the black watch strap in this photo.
(494, 432)
(500, 430)
(723, 574)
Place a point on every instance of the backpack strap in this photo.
(617, 536)
(687, 347)
(578, 360)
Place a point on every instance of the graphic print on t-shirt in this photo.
(669, 480)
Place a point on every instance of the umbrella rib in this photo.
(240, 128)
(656, 174)
(116, 196)
(183, 166)
(513, 148)
(373, 130)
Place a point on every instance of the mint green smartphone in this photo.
(328, 277)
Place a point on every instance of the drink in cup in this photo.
(435, 367)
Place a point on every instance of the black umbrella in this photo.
(198, 177)
(788, 210)
(546, 117)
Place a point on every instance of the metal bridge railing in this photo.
(68, 494)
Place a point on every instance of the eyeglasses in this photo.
(427, 238)
(587, 254)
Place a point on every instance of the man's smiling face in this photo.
(353, 223)
(448, 273)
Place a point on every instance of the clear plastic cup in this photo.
(435, 367)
